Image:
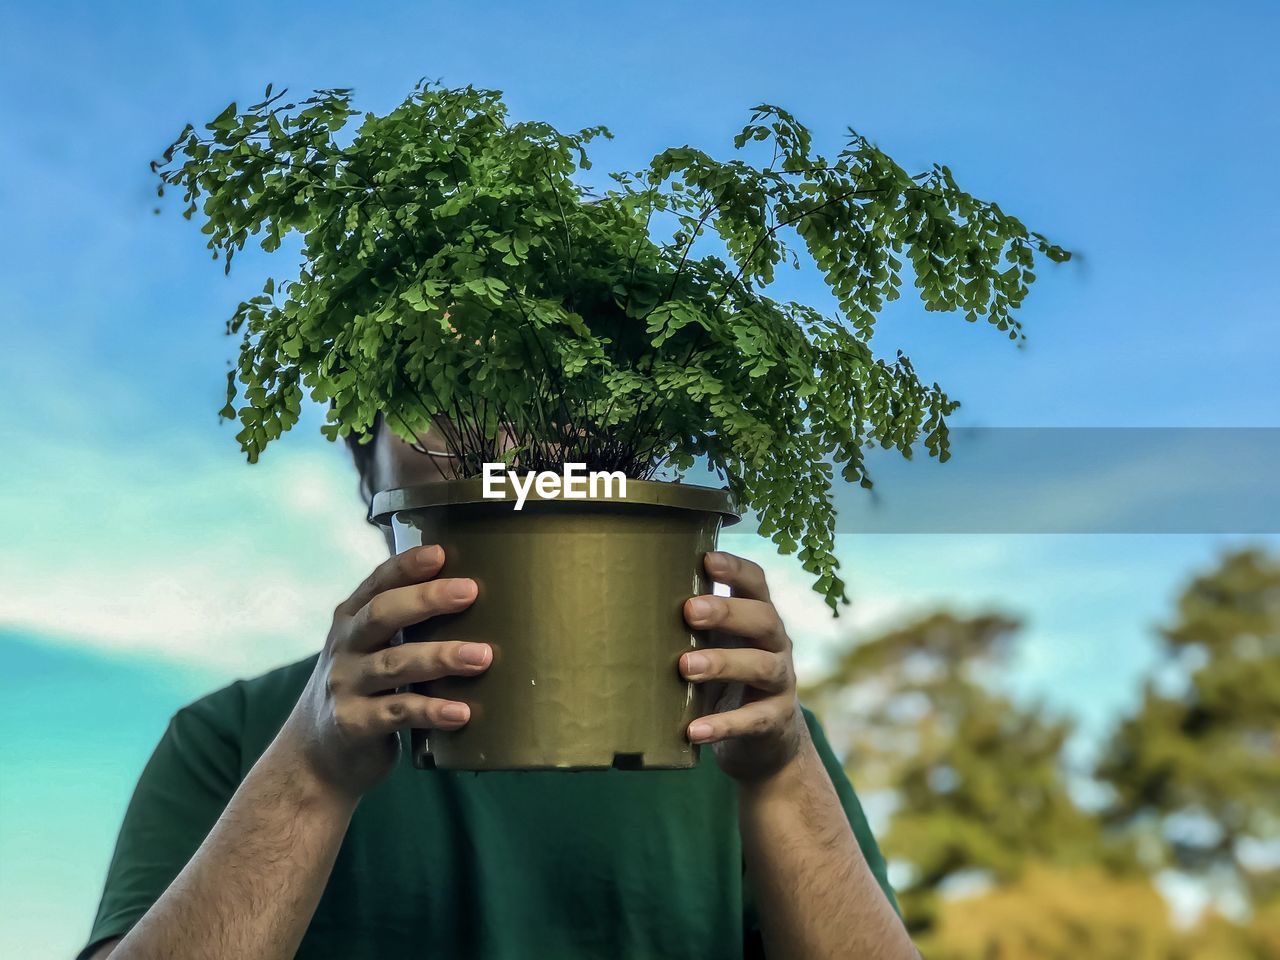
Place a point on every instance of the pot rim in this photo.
(658, 493)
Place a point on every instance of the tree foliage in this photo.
(456, 270)
(1201, 762)
(979, 795)
(978, 781)
(1059, 914)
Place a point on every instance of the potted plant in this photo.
(460, 270)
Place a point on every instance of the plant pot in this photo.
(582, 603)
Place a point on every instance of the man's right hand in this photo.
(251, 889)
(344, 724)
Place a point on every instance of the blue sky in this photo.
(141, 561)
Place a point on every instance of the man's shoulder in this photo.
(252, 708)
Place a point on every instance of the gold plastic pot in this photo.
(582, 603)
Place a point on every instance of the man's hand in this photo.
(816, 894)
(345, 722)
(757, 728)
(251, 889)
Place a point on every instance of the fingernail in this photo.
(430, 556)
(716, 559)
(699, 608)
(463, 589)
(457, 712)
(695, 664)
(699, 731)
(476, 654)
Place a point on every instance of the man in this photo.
(277, 818)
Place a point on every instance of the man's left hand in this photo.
(757, 727)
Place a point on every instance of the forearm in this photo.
(250, 890)
(817, 896)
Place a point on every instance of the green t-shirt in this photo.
(442, 864)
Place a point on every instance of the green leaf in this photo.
(450, 261)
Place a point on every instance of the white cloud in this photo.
(177, 549)
(814, 632)
(182, 553)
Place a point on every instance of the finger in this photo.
(407, 663)
(760, 669)
(368, 717)
(755, 620)
(760, 718)
(412, 566)
(377, 621)
(741, 576)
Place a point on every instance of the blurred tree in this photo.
(1088, 912)
(1219, 938)
(977, 780)
(1061, 914)
(1197, 768)
(979, 791)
